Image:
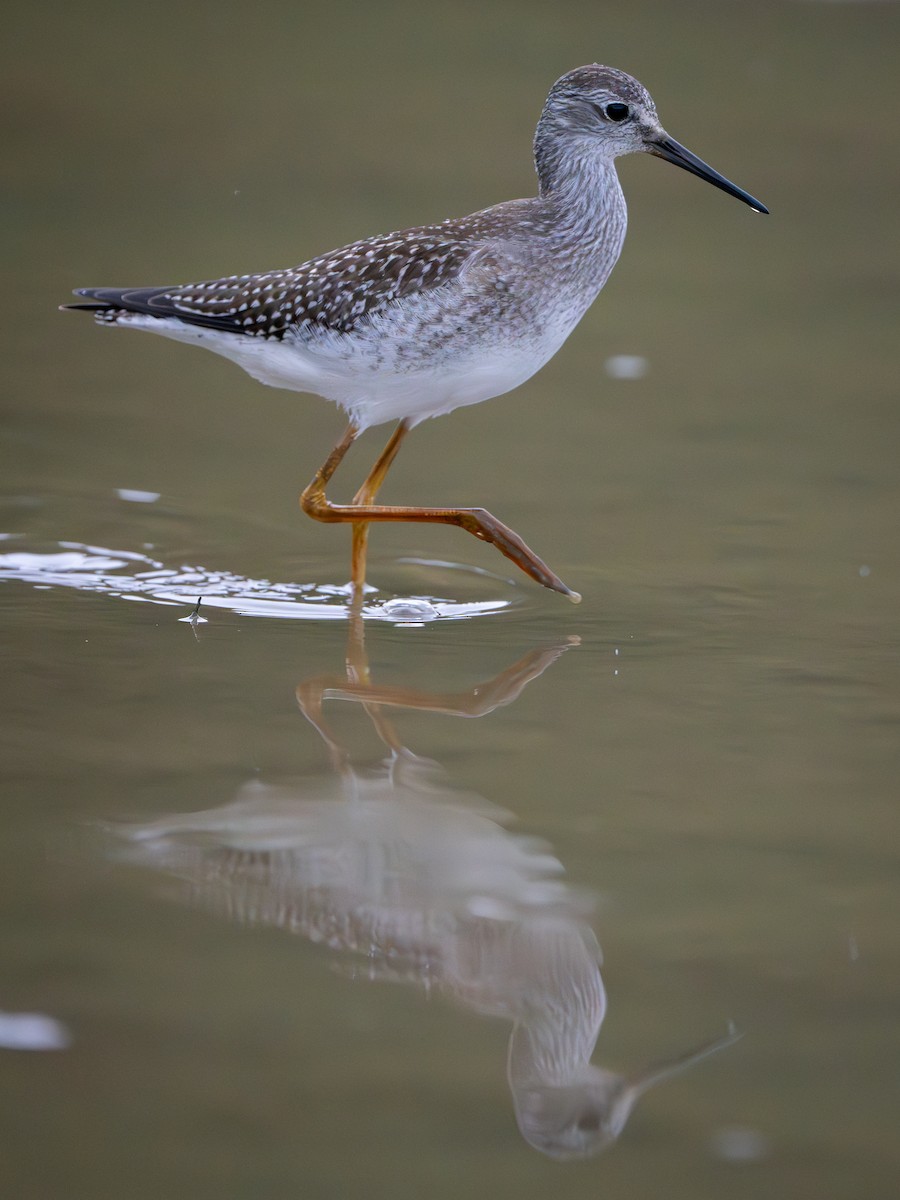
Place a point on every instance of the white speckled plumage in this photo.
(511, 297)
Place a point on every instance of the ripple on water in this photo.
(132, 575)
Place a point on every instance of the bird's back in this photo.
(409, 324)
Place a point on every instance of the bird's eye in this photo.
(616, 111)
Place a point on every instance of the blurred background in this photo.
(702, 758)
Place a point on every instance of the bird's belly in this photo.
(410, 367)
(431, 368)
(434, 388)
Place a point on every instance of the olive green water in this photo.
(313, 992)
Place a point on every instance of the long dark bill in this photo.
(674, 152)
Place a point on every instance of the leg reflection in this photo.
(422, 883)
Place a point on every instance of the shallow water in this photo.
(420, 899)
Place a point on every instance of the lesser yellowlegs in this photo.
(417, 323)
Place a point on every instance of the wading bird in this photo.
(417, 323)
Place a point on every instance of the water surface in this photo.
(418, 903)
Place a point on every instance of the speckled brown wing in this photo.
(334, 291)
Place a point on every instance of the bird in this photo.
(414, 324)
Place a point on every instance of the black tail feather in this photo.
(151, 302)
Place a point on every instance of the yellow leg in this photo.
(477, 521)
(366, 495)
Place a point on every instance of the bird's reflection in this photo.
(419, 882)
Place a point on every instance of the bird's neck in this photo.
(582, 199)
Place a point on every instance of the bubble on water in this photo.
(32, 1031)
(626, 366)
(135, 496)
(865, 571)
(409, 610)
(740, 1144)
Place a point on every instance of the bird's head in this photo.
(601, 113)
